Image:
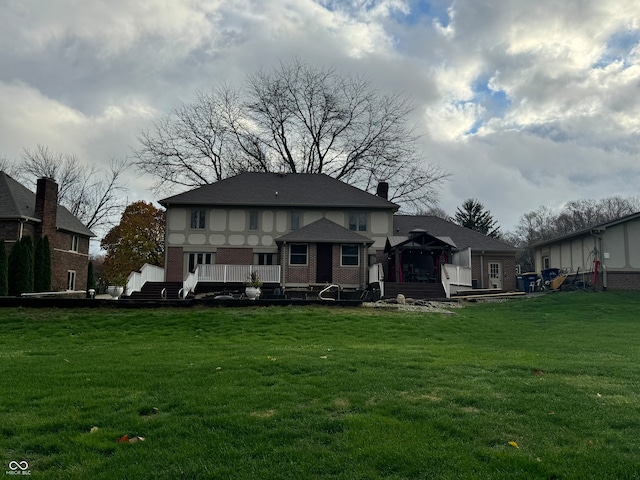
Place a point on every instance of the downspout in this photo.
(283, 261)
(365, 265)
(598, 236)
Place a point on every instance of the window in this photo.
(545, 263)
(265, 259)
(298, 254)
(253, 220)
(71, 280)
(197, 219)
(295, 220)
(196, 259)
(350, 256)
(74, 243)
(358, 222)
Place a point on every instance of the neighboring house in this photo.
(427, 243)
(310, 230)
(38, 215)
(610, 250)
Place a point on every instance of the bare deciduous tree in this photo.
(93, 196)
(299, 118)
(543, 224)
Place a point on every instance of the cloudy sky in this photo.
(525, 103)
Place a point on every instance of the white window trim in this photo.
(71, 280)
(75, 242)
(306, 255)
(342, 254)
(201, 214)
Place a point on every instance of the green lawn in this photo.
(311, 393)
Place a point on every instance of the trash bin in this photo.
(527, 279)
(519, 283)
(548, 274)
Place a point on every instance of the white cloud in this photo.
(524, 102)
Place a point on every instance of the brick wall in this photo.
(9, 230)
(307, 274)
(174, 264)
(621, 281)
(351, 275)
(64, 261)
(481, 272)
(234, 256)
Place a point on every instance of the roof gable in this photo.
(18, 202)
(280, 190)
(324, 231)
(440, 228)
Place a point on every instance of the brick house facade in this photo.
(311, 229)
(38, 215)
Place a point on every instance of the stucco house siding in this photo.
(614, 245)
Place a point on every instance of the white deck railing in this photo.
(238, 273)
(148, 273)
(455, 275)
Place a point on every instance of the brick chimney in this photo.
(46, 207)
(383, 190)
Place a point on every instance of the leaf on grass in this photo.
(537, 371)
(94, 429)
(126, 439)
(514, 444)
(324, 357)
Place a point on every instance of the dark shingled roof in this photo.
(324, 231)
(18, 202)
(461, 236)
(280, 190)
(577, 233)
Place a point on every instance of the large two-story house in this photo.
(298, 230)
(38, 215)
(310, 230)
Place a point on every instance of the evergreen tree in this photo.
(91, 280)
(4, 270)
(472, 215)
(29, 263)
(16, 270)
(38, 268)
(47, 265)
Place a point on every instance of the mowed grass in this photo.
(545, 387)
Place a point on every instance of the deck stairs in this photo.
(153, 291)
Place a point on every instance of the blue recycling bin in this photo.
(549, 274)
(527, 279)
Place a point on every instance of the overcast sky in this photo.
(524, 102)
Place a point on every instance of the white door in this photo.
(495, 275)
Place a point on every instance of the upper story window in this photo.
(73, 246)
(358, 222)
(295, 220)
(253, 220)
(350, 256)
(197, 219)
